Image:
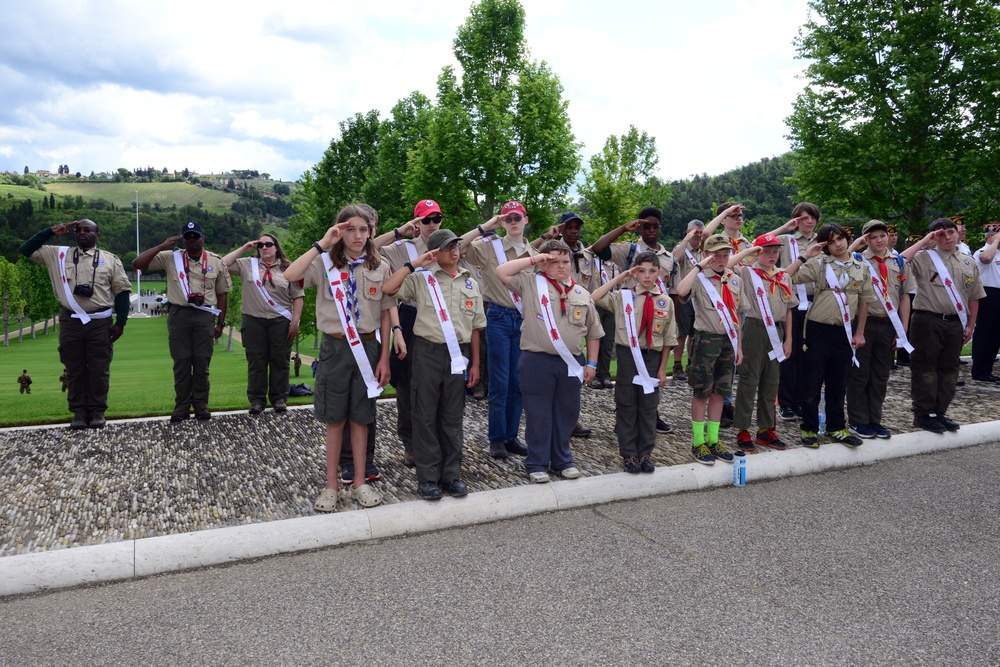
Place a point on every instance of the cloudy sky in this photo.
(214, 86)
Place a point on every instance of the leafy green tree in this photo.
(234, 307)
(11, 297)
(901, 112)
(39, 302)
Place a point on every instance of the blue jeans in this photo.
(553, 410)
(503, 349)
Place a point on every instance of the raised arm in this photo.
(141, 262)
(231, 258)
(603, 243)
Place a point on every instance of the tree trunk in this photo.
(229, 345)
(32, 329)
(316, 340)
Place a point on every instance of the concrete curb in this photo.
(30, 573)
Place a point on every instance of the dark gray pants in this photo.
(868, 382)
(191, 335)
(635, 411)
(934, 362)
(758, 377)
(86, 352)
(438, 400)
(265, 341)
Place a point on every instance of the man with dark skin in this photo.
(197, 287)
(91, 286)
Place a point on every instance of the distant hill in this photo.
(122, 195)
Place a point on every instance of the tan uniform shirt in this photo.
(481, 254)
(371, 301)
(804, 242)
(579, 322)
(462, 299)
(664, 322)
(706, 317)
(894, 285)
(620, 256)
(685, 265)
(397, 254)
(107, 279)
(738, 244)
(282, 292)
(932, 294)
(584, 269)
(779, 300)
(853, 279)
(214, 281)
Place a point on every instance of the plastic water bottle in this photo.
(739, 469)
(822, 412)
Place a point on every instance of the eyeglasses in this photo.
(513, 217)
(429, 220)
(265, 244)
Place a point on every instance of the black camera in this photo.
(196, 299)
(85, 291)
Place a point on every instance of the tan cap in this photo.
(717, 242)
(874, 224)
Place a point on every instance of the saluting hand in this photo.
(63, 229)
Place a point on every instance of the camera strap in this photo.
(180, 264)
(78, 312)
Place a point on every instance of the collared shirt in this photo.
(664, 323)
(107, 279)
(779, 299)
(252, 302)
(462, 299)
(738, 243)
(894, 288)
(371, 300)
(397, 253)
(989, 274)
(580, 321)
(804, 242)
(480, 253)
(214, 281)
(706, 317)
(931, 292)
(853, 279)
(685, 266)
(623, 256)
(584, 269)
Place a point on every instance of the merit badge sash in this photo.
(458, 362)
(845, 312)
(501, 260)
(78, 311)
(643, 379)
(336, 286)
(721, 309)
(777, 351)
(793, 245)
(275, 306)
(182, 276)
(949, 284)
(882, 291)
(574, 367)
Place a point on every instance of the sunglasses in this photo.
(265, 244)
(191, 237)
(648, 225)
(429, 220)
(513, 217)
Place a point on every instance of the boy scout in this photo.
(197, 287)
(945, 307)
(884, 332)
(445, 344)
(716, 349)
(90, 285)
(767, 301)
(687, 253)
(645, 332)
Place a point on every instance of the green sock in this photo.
(713, 432)
(699, 432)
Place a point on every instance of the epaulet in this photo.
(485, 239)
(398, 242)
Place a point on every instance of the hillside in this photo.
(122, 195)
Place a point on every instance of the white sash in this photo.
(411, 251)
(690, 257)
(800, 289)
(186, 285)
(845, 312)
(78, 311)
(275, 306)
(949, 284)
(501, 260)
(574, 367)
(647, 383)
(897, 324)
(604, 273)
(721, 309)
(458, 362)
(777, 351)
(336, 286)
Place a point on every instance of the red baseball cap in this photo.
(513, 207)
(765, 240)
(425, 207)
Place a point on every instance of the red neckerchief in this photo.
(727, 296)
(268, 276)
(559, 289)
(776, 281)
(647, 318)
(883, 272)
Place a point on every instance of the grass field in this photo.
(164, 194)
(23, 192)
(141, 377)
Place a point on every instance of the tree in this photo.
(620, 181)
(25, 170)
(11, 297)
(901, 112)
(503, 132)
(234, 307)
(39, 301)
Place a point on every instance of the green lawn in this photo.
(22, 192)
(164, 194)
(141, 377)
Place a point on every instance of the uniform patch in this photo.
(101, 262)
(578, 314)
(469, 304)
(661, 303)
(373, 291)
(577, 291)
(468, 283)
(210, 269)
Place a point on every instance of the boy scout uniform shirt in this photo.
(620, 257)
(894, 285)
(825, 308)
(252, 303)
(371, 300)
(481, 253)
(779, 300)
(397, 254)
(932, 294)
(108, 280)
(580, 321)
(583, 268)
(664, 322)
(685, 265)
(215, 280)
(462, 299)
(706, 317)
(739, 243)
(785, 254)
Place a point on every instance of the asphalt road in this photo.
(892, 564)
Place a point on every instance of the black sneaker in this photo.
(728, 413)
(679, 374)
(662, 426)
(928, 423)
(646, 464)
(580, 431)
(845, 437)
(787, 413)
(498, 449)
(456, 488)
(949, 424)
(631, 465)
(515, 447)
(429, 491)
(347, 474)
(371, 472)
